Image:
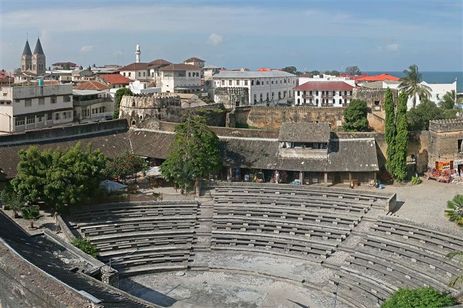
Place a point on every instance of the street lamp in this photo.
(9, 120)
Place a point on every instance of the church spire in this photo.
(38, 48)
(27, 50)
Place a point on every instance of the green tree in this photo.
(9, 198)
(389, 129)
(355, 116)
(411, 85)
(419, 116)
(194, 154)
(353, 70)
(125, 164)
(58, 178)
(117, 100)
(401, 140)
(454, 209)
(448, 101)
(290, 69)
(425, 297)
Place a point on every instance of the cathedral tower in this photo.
(38, 59)
(26, 58)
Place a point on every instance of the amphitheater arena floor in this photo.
(237, 280)
(425, 203)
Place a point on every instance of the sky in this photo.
(311, 35)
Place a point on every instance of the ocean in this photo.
(433, 77)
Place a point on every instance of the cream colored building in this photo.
(27, 107)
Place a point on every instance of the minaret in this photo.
(38, 59)
(26, 58)
(137, 54)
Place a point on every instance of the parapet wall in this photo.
(447, 125)
(272, 117)
(65, 132)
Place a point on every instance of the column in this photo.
(301, 177)
(325, 178)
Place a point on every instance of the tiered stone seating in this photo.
(400, 254)
(140, 237)
(283, 220)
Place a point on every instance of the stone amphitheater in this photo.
(259, 245)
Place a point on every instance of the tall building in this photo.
(34, 63)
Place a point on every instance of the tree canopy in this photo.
(355, 116)
(194, 154)
(117, 100)
(411, 85)
(419, 116)
(425, 297)
(125, 164)
(353, 70)
(58, 178)
(390, 128)
(291, 69)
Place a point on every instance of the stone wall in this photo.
(272, 117)
(448, 125)
(24, 285)
(443, 146)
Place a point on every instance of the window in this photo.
(334, 101)
(53, 99)
(144, 74)
(28, 102)
(460, 141)
(56, 116)
(299, 93)
(49, 116)
(340, 100)
(230, 82)
(19, 121)
(252, 82)
(245, 82)
(66, 98)
(237, 82)
(223, 82)
(31, 120)
(41, 101)
(40, 118)
(255, 98)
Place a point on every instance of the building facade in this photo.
(324, 94)
(180, 78)
(27, 107)
(242, 88)
(92, 105)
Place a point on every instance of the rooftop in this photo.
(252, 74)
(114, 79)
(135, 67)
(380, 77)
(91, 85)
(324, 86)
(179, 67)
(304, 132)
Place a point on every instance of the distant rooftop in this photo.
(252, 74)
(304, 132)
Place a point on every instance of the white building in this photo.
(324, 94)
(182, 78)
(26, 107)
(92, 105)
(136, 71)
(143, 87)
(264, 87)
(326, 77)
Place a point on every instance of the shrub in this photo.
(30, 212)
(418, 298)
(85, 246)
(454, 209)
(416, 180)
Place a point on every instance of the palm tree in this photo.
(454, 209)
(411, 84)
(449, 100)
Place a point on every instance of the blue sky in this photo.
(312, 34)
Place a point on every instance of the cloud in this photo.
(392, 47)
(86, 49)
(215, 39)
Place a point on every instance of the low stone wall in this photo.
(24, 285)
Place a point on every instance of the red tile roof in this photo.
(324, 86)
(381, 77)
(114, 79)
(91, 85)
(158, 63)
